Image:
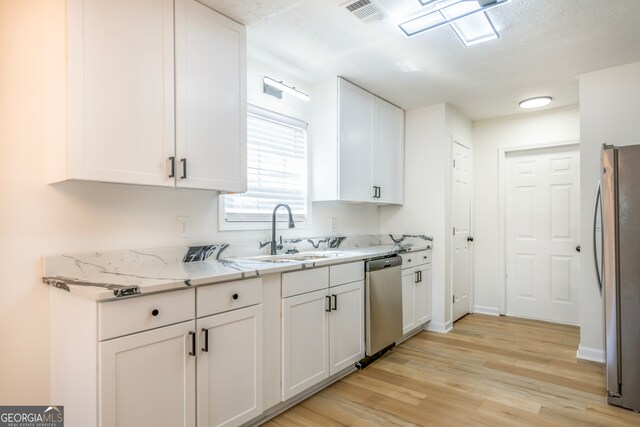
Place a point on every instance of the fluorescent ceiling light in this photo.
(268, 83)
(442, 12)
(537, 102)
(475, 29)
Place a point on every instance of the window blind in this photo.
(276, 169)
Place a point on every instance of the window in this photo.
(276, 170)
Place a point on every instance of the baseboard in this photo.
(492, 311)
(591, 354)
(439, 327)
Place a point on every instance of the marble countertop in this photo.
(108, 276)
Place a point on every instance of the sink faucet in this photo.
(273, 225)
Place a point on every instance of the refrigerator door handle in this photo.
(595, 248)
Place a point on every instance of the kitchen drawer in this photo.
(411, 259)
(346, 273)
(422, 257)
(222, 297)
(117, 318)
(301, 282)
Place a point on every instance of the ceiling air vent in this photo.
(364, 10)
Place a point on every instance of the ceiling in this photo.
(543, 48)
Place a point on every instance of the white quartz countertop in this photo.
(129, 273)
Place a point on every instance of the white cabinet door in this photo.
(148, 379)
(230, 367)
(346, 334)
(210, 99)
(356, 128)
(409, 319)
(388, 153)
(305, 341)
(423, 295)
(121, 92)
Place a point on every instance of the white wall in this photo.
(38, 219)
(609, 114)
(488, 136)
(427, 208)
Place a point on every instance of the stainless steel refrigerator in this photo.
(620, 272)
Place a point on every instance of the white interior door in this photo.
(461, 223)
(542, 225)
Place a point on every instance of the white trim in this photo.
(591, 354)
(491, 311)
(502, 244)
(439, 327)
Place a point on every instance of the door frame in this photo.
(502, 224)
(459, 141)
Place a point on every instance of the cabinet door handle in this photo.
(206, 340)
(375, 191)
(184, 168)
(416, 279)
(420, 276)
(328, 299)
(379, 192)
(335, 302)
(172, 163)
(193, 343)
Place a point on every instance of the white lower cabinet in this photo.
(346, 330)
(305, 341)
(416, 290)
(322, 330)
(230, 367)
(148, 378)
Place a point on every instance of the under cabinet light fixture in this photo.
(275, 88)
(444, 12)
(537, 102)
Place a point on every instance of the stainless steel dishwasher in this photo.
(383, 303)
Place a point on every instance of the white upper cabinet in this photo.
(210, 99)
(388, 153)
(357, 145)
(124, 123)
(356, 132)
(120, 83)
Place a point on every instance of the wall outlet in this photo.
(183, 227)
(333, 224)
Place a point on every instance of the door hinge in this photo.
(454, 163)
(454, 231)
(454, 299)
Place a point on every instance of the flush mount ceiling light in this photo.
(275, 88)
(471, 26)
(537, 102)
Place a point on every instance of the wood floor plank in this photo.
(488, 371)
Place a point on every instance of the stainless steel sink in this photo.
(298, 257)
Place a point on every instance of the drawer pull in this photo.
(155, 312)
(335, 302)
(206, 340)
(193, 343)
(235, 296)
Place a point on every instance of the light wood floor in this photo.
(489, 371)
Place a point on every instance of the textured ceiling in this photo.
(544, 46)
